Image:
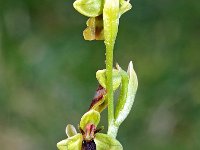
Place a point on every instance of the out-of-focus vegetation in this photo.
(47, 73)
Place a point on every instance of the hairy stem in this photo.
(109, 66)
(111, 20)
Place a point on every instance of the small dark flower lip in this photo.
(88, 137)
(88, 145)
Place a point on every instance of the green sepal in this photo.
(106, 142)
(71, 143)
(70, 130)
(90, 117)
(89, 8)
(101, 77)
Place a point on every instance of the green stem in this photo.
(111, 20)
(109, 82)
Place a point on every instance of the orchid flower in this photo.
(89, 137)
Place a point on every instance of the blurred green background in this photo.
(47, 73)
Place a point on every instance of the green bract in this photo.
(89, 8)
(129, 84)
(123, 91)
(127, 97)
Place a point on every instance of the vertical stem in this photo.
(111, 20)
(109, 81)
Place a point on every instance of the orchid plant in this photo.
(103, 24)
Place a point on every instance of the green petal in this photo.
(72, 143)
(89, 8)
(70, 130)
(106, 142)
(90, 117)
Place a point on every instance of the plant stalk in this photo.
(111, 21)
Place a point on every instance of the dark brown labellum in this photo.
(88, 145)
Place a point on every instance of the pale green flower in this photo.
(89, 138)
